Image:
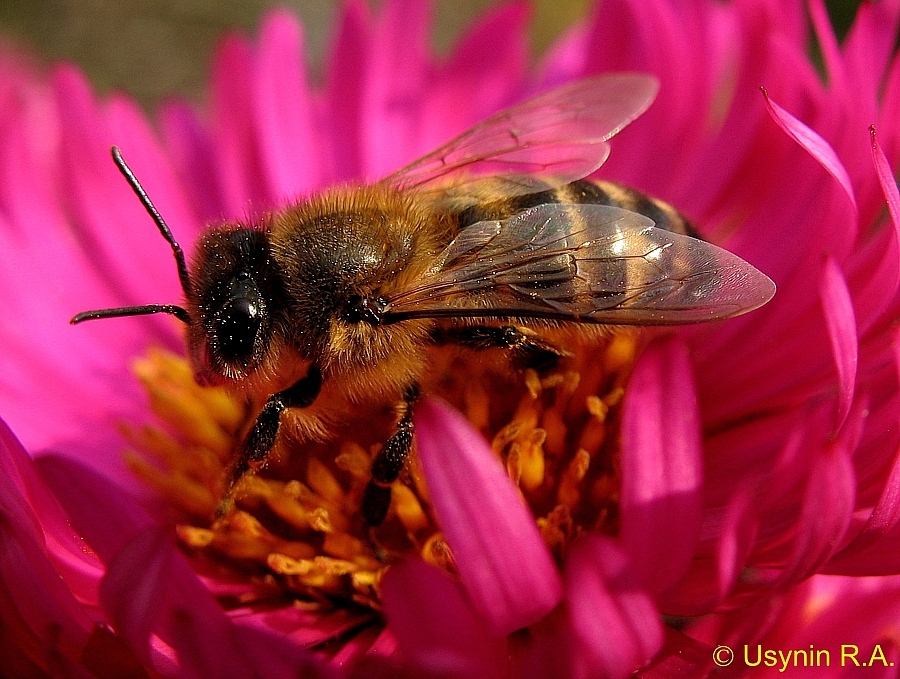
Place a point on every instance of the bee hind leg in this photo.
(526, 349)
(258, 444)
(388, 464)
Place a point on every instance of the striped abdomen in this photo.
(583, 192)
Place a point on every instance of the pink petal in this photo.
(153, 167)
(662, 464)
(485, 71)
(881, 530)
(150, 587)
(346, 73)
(56, 271)
(826, 508)
(729, 538)
(565, 59)
(612, 617)
(888, 187)
(841, 321)
(504, 564)
(303, 628)
(868, 48)
(817, 613)
(873, 550)
(889, 106)
(135, 580)
(29, 580)
(814, 144)
(29, 504)
(435, 625)
(358, 646)
(395, 81)
(831, 53)
(110, 520)
(243, 188)
(552, 651)
(289, 150)
(681, 658)
(102, 205)
(649, 36)
(874, 278)
(191, 146)
(736, 540)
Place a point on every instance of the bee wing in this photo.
(589, 263)
(561, 134)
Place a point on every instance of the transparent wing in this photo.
(588, 263)
(560, 134)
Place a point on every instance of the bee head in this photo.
(229, 296)
(234, 300)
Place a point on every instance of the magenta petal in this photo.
(662, 464)
(435, 625)
(102, 208)
(345, 91)
(681, 658)
(873, 551)
(237, 159)
(841, 322)
(150, 587)
(504, 564)
(135, 580)
(283, 110)
(612, 617)
(484, 73)
(29, 578)
(884, 522)
(737, 538)
(396, 79)
(29, 504)
(191, 146)
(817, 147)
(111, 518)
(828, 43)
(868, 49)
(827, 506)
(888, 187)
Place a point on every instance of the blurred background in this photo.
(152, 48)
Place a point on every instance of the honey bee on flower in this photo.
(493, 241)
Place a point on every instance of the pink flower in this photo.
(731, 484)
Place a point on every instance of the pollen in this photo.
(296, 530)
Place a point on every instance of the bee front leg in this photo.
(388, 464)
(259, 441)
(526, 349)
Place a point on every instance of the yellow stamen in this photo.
(569, 491)
(302, 532)
(322, 481)
(205, 417)
(409, 509)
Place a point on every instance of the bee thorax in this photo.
(361, 309)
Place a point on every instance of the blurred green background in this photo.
(151, 48)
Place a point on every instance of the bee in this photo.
(493, 241)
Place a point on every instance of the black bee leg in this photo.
(388, 464)
(527, 350)
(259, 442)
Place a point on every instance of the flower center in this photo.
(296, 531)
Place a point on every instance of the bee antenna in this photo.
(163, 229)
(179, 312)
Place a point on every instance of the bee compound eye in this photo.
(237, 325)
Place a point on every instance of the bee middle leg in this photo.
(258, 444)
(389, 463)
(526, 349)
